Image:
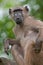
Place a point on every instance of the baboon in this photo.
(27, 31)
(19, 15)
(24, 24)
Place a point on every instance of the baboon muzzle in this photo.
(18, 21)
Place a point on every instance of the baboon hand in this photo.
(6, 46)
(38, 46)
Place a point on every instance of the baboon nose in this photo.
(17, 18)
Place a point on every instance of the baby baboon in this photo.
(32, 58)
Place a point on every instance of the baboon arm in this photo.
(11, 42)
(17, 56)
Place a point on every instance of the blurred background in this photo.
(6, 24)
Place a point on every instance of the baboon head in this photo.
(19, 14)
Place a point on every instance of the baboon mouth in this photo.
(19, 22)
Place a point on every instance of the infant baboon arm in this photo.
(11, 42)
(17, 56)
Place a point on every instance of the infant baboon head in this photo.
(19, 14)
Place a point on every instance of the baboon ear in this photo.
(9, 11)
(27, 8)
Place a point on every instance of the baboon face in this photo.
(18, 17)
(18, 14)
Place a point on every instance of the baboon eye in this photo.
(15, 14)
(19, 13)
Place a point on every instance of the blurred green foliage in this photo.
(6, 24)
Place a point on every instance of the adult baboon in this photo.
(27, 31)
(24, 24)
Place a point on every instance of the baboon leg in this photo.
(27, 54)
(17, 56)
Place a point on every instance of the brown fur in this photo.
(32, 58)
(26, 35)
